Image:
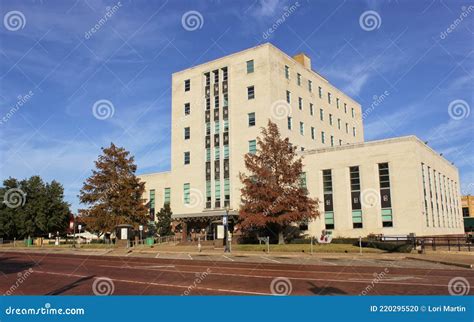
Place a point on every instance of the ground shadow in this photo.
(12, 265)
(325, 290)
(70, 286)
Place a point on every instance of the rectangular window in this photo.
(353, 112)
(216, 127)
(320, 92)
(311, 109)
(208, 154)
(187, 133)
(224, 74)
(301, 128)
(328, 199)
(330, 119)
(312, 133)
(251, 117)
(187, 108)
(338, 124)
(187, 85)
(249, 66)
(252, 146)
(332, 140)
(216, 76)
(217, 153)
(208, 128)
(321, 114)
(208, 103)
(226, 151)
(217, 186)
(337, 102)
(152, 199)
(303, 180)
(300, 103)
(216, 101)
(288, 97)
(310, 86)
(186, 193)
(357, 219)
(226, 100)
(226, 125)
(187, 157)
(345, 108)
(323, 137)
(385, 195)
(329, 98)
(290, 123)
(354, 131)
(298, 79)
(347, 128)
(329, 219)
(251, 92)
(340, 142)
(167, 196)
(287, 72)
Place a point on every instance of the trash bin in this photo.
(28, 241)
(150, 241)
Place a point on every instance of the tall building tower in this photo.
(218, 110)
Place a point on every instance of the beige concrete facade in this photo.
(324, 111)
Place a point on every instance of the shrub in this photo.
(387, 246)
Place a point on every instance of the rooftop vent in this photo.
(303, 59)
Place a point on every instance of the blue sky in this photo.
(419, 53)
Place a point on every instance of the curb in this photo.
(442, 262)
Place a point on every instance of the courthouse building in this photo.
(392, 187)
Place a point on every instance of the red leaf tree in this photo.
(272, 194)
(113, 192)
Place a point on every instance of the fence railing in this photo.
(465, 243)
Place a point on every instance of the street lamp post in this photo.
(141, 233)
(225, 222)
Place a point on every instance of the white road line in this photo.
(157, 254)
(228, 258)
(190, 256)
(259, 277)
(273, 260)
(168, 285)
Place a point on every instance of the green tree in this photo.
(32, 208)
(113, 192)
(163, 224)
(272, 194)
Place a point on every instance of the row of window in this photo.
(441, 201)
(152, 201)
(302, 130)
(311, 105)
(356, 201)
(299, 82)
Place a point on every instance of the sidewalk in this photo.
(464, 259)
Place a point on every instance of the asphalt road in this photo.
(63, 274)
